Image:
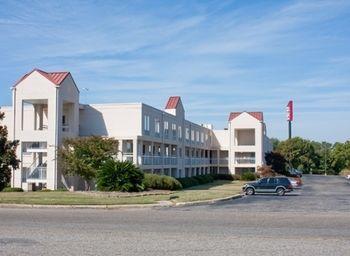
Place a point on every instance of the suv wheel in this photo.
(249, 191)
(280, 191)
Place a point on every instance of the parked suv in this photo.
(278, 185)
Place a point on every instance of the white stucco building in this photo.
(46, 110)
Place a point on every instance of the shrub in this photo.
(222, 176)
(119, 176)
(203, 179)
(248, 176)
(266, 171)
(345, 172)
(155, 181)
(9, 189)
(188, 182)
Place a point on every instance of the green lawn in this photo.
(213, 190)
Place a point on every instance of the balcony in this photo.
(245, 160)
(158, 160)
(38, 174)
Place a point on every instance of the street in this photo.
(311, 221)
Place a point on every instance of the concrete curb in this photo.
(207, 202)
(123, 206)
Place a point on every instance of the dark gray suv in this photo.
(277, 185)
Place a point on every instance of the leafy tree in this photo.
(277, 162)
(299, 153)
(340, 156)
(274, 142)
(84, 156)
(8, 158)
(119, 176)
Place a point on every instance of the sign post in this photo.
(290, 118)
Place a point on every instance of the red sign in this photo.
(290, 111)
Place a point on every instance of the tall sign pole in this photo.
(290, 118)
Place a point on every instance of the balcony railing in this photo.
(158, 160)
(245, 160)
(39, 173)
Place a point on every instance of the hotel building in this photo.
(46, 110)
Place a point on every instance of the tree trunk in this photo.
(87, 185)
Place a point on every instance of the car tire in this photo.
(280, 191)
(249, 191)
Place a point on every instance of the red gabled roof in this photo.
(257, 115)
(172, 102)
(55, 77)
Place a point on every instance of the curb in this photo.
(208, 202)
(124, 206)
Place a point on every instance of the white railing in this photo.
(245, 160)
(39, 173)
(157, 160)
(65, 128)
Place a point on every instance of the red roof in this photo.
(172, 102)
(55, 77)
(257, 115)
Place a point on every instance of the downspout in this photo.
(56, 139)
(14, 127)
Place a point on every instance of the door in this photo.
(261, 185)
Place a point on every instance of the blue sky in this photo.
(219, 56)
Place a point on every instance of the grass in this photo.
(213, 190)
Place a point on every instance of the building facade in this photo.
(46, 110)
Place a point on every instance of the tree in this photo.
(274, 142)
(277, 162)
(8, 158)
(119, 176)
(340, 156)
(84, 156)
(299, 153)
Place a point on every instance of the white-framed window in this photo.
(206, 137)
(197, 136)
(173, 129)
(187, 135)
(202, 137)
(166, 128)
(157, 126)
(192, 135)
(179, 130)
(146, 123)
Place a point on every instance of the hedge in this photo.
(155, 181)
(9, 189)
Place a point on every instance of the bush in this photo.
(119, 176)
(248, 176)
(204, 179)
(165, 182)
(266, 171)
(9, 189)
(188, 182)
(222, 176)
(155, 181)
(345, 172)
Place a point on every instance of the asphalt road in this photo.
(313, 221)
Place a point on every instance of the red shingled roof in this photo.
(257, 115)
(55, 77)
(172, 102)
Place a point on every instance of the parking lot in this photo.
(311, 221)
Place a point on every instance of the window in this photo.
(206, 137)
(173, 128)
(187, 134)
(272, 181)
(166, 128)
(146, 123)
(157, 126)
(192, 135)
(263, 181)
(179, 130)
(202, 137)
(197, 136)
